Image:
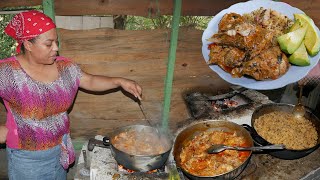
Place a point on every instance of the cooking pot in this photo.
(285, 153)
(192, 130)
(140, 163)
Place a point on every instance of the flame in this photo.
(122, 168)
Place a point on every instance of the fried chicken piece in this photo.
(230, 21)
(226, 57)
(235, 31)
(258, 40)
(243, 47)
(269, 64)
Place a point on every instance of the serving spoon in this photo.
(216, 148)
(299, 110)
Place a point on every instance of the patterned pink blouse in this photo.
(37, 115)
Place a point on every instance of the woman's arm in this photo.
(3, 134)
(102, 83)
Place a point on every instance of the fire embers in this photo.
(220, 105)
(208, 106)
(124, 170)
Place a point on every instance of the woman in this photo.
(37, 87)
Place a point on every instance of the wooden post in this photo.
(48, 8)
(171, 63)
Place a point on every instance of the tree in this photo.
(7, 44)
(140, 23)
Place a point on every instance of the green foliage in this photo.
(141, 23)
(7, 44)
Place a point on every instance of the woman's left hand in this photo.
(132, 87)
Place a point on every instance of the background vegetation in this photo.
(7, 44)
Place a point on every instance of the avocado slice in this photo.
(300, 56)
(297, 24)
(291, 41)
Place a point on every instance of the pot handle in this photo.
(95, 142)
(106, 141)
(257, 139)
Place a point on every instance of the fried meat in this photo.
(243, 47)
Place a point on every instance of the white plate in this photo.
(294, 73)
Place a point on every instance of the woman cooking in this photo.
(38, 87)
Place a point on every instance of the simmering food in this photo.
(141, 142)
(196, 160)
(284, 128)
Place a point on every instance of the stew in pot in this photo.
(142, 142)
(196, 160)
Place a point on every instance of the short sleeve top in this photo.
(37, 115)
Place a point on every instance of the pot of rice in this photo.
(274, 123)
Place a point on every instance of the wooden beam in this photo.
(128, 7)
(19, 3)
(152, 7)
(141, 7)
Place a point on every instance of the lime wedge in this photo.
(290, 42)
(300, 57)
(311, 40)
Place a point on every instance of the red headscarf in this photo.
(27, 25)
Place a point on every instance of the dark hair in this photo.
(23, 49)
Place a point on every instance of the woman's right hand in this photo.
(3, 134)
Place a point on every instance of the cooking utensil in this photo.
(143, 112)
(286, 153)
(142, 163)
(216, 148)
(193, 129)
(145, 117)
(299, 110)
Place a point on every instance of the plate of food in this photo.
(241, 45)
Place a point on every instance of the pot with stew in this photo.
(138, 147)
(275, 123)
(191, 144)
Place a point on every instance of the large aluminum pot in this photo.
(282, 154)
(193, 129)
(141, 163)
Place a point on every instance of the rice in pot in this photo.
(283, 128)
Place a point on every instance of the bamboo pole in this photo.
(171, 63)
(48, 8)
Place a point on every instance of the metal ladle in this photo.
(143, 112)
(145, 117)
(216, 148)
(299, 110)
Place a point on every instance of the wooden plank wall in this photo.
(139, 55)
(142, 56)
